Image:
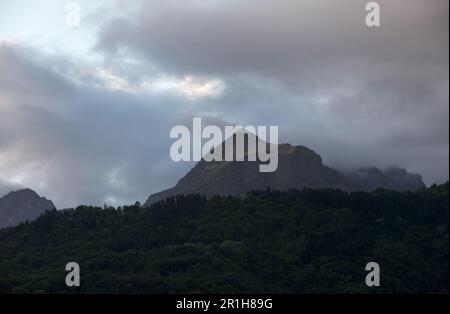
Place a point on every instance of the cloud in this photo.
(80, 144)
(6, 187)
(189, 86)
(286, 40)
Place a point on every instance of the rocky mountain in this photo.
(22, 205)
(298, 167)
(369, 179)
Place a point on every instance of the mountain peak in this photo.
(26, 192)
(22, 205)
(298, 167)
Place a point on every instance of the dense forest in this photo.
(308, 241)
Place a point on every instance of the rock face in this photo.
(298, 167)
(22, 205)
(369, 179)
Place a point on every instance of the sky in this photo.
(86, 111)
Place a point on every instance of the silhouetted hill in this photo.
(22, 205)
(298, 167)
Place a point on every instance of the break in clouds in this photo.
(88, 130)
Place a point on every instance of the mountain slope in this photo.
(298, 167)
(18, 206)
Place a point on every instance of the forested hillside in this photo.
(309, 241)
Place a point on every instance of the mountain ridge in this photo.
(299, 167)
(21, 205)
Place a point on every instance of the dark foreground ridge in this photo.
(309, 241)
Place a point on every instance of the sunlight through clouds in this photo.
(190, 87)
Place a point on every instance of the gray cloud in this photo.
(77, 144)
(6, 187)
(285, 39)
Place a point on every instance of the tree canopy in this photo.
(308, 241)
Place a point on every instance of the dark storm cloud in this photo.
(286, 39)
(358, 95)
(77, 144)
